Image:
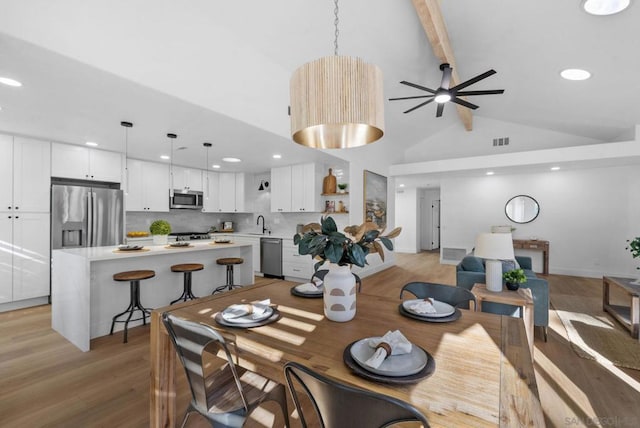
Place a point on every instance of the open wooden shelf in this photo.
(335, 194)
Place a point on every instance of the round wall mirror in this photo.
(522, 209)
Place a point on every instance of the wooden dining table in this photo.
(483, 374)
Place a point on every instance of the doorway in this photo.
(429, 219)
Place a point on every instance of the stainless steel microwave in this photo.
(191, 200)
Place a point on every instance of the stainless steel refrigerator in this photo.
(83, 216)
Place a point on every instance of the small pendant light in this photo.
(171, 138)
(126, 126)
(207, 146)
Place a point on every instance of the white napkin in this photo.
(311, 287)
(255, 309)
(395, 340)
(423, 307)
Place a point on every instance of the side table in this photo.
(521, 297)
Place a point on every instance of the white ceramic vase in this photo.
(160, 239)
(339, 293)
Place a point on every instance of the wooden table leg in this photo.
(527, 317)
(605, 294)
(163, 387)
(634, 316)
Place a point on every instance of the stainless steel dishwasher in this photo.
(271, 257)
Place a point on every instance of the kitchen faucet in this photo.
(264, 229)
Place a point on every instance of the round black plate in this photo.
(307, 295)
(454, 316)
(273, 318)
(360, 371)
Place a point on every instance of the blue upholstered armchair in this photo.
(471, 270)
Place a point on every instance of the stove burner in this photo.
(186, 236)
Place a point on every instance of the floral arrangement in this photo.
(323, 242)
(634, 247)
(515, 276)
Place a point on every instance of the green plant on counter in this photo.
(160, 227)
(324, 242)
(515, 276)
(342, 186)
(634, 247)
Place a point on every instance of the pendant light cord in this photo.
(335, 23)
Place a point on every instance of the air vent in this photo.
(504, 141)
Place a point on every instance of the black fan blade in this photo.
(488, 92)
(446, 76)
(440, 109)
(418, 106)
(404, 82)
(411, 98)
(464, 103)
(473, 80)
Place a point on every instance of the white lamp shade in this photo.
(494, 246)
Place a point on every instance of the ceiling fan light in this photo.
(442, 98)
(604, 7)
(336, 103)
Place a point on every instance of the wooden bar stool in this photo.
(134, 277)
(186, 268)
(228, 262)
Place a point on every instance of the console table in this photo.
(534, 244)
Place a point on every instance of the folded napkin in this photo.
(392, 343)
(423, 307)
(314, 286)
(255, 309)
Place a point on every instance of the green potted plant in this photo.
(160, 229)
(634, 248)
(324, 243)
(342, 187)
(514, 278)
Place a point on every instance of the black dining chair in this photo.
(323, 272)
(337, 405)
(224, 394)
(455, 296)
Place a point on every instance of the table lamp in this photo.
(494, 247)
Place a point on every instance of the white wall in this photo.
(587, 215)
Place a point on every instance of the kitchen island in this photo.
(84, 296)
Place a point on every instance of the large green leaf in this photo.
(371, 235)
(386, 242)
(328, 226)
(334, 253)
(357, 256)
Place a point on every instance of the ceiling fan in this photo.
(445, 94)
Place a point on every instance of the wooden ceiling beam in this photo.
(433, 24)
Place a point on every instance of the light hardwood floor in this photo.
(47, 382)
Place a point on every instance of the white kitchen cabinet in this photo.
(148, 187)
(188, 179)
(211, 192)
(83, 163)
(25, 259)
(281, 189)
(25, 174)
(296, 188)
(233, 191)
(294, 264)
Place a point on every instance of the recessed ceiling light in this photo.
(233, 160)
(10, 82)
(555, 168)
(604, 7)
(215, 166)
(575, 74)
(277, 156)
(401, 185)
(165, 157)
(91, 143)
(490, 172)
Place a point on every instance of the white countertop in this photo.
(112, 253)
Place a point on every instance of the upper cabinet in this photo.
(296, 188)
(83, 163)
(148, 186)
(188, 179)
(25, 174)
(211, 192)
(233, 191)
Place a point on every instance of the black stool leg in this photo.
(229, 285)
(186, 292)
(134, 305)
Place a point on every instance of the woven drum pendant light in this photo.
(336, 102)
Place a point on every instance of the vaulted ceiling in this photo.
(219, 71)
